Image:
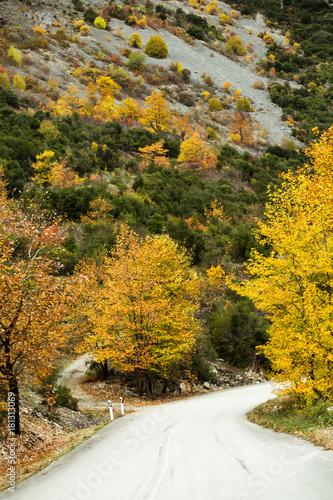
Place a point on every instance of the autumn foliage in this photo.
(141, 306)
(156, 47)
(154, 155)
(240, 129)
(294, 283)
(195, 152)
(157, 115)
(32, 298)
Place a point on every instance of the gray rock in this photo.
(206, 385)
(101, 386)
(130, 394)
(184, 388)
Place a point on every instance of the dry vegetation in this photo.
(314, 423)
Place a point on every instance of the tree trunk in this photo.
(151, 386)
(165, 385)
(105, 369)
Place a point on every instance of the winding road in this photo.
(201, 448)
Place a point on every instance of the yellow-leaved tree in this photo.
(55, 173)
(43, 166)
(157, 115)
(105, 108)
(130, 110)
(141, 308)
(294, 283)
(107, 86)
(195, 152)
(154, 155)
(68, 103)
(63, 177)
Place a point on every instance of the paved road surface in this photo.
(202, 448)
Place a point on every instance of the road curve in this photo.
(201, 448)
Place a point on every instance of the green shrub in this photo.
(243, 104)
(197, 21)
(4, 81)
(196, 31)
(136, 60)
(89, 15)
(15, 55)
(155, 224)
(61, 394)
(214, 104)
(236, 328)
(78, 5)
(100, 23)
(201, 368)
(211, 134)
(7, 96)
(156, 47)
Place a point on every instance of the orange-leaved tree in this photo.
(64, 177)
(33, 299)
(294, 283)
(100, 209)
(182, 124)
(240, 129)
(141, 308)
(195, 152)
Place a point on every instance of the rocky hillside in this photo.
(56, 52)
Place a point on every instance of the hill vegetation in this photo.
(94, 132)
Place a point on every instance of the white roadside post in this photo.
(122, 406)
(110, 409)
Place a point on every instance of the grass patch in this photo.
(314, 423)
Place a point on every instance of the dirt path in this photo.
(72, 376)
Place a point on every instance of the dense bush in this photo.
(99, 23)
(214, 104)
(135, 40)
(197, 21)
(136, 60)
(14, 55)
(308, 107)
(236, 328)
(235, 46)
(196, 32)
(156, 47)
(243, 104)
(90, 15)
